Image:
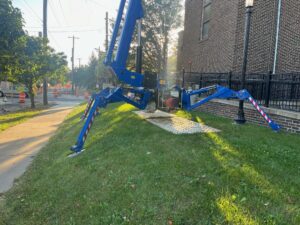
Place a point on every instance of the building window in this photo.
(205, 19)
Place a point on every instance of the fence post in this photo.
(230, 79)
(183, 78)
(201, 80)
(292, 88)
(268, 88)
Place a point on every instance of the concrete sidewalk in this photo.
(19, 144)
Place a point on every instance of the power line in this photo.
(25, 8)
(56, 42)
(97, 3)
(62, 11)
(70, 31)
(75, 31)
(62, 27)
(53, 13)
(37, 16)
(32, 12)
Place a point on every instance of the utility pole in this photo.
(45, 37)
(97, 75)
(79, 62)
(72, 59)
(106, 32)
(139, 50)
(99, 52)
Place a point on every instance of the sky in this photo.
(83, 18)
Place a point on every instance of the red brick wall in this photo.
(262, 36)
(230, 111)
(289, 39)
(223, 50)
(216, 53)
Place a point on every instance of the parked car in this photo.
(11, 90)
(12, 93)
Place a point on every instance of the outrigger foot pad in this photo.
(76, 148)
(73, 155)
(275, 127)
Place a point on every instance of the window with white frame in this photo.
(205, 19)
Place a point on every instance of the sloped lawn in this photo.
(135, 173)
(8, 120)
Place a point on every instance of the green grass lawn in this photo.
(135, 173)
(11, 119)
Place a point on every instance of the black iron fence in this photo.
(277, 91)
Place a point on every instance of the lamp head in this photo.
(249, 3)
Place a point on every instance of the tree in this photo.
(11, 38)
(161, 17)
(30, 65)
(25, 59)
(55, 66)
(36, 61)
(94, 73)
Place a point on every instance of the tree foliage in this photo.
(161, 17)
(11, 37)
(25, 59)
(94, 73)
(36, 61)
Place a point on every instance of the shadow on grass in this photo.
(136, 173)
(259, 183)
(255, 198)
(16, 119)
(242, 194)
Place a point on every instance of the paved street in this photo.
(12, 104)
(19, 144)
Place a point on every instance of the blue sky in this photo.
(83, 18)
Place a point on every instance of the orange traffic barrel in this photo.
(86, 95)
(22, 97)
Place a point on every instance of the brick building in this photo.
(214, 31)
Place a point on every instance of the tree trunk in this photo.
(31, 96)
(165, 53)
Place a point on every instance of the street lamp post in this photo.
(249, 6)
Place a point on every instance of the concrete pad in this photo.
(156, 114)
(175, 124)
(20, 144)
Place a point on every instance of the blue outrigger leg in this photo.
(117, 66)
(221, 92)
(101, 100)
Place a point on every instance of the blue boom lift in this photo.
(136, 81)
